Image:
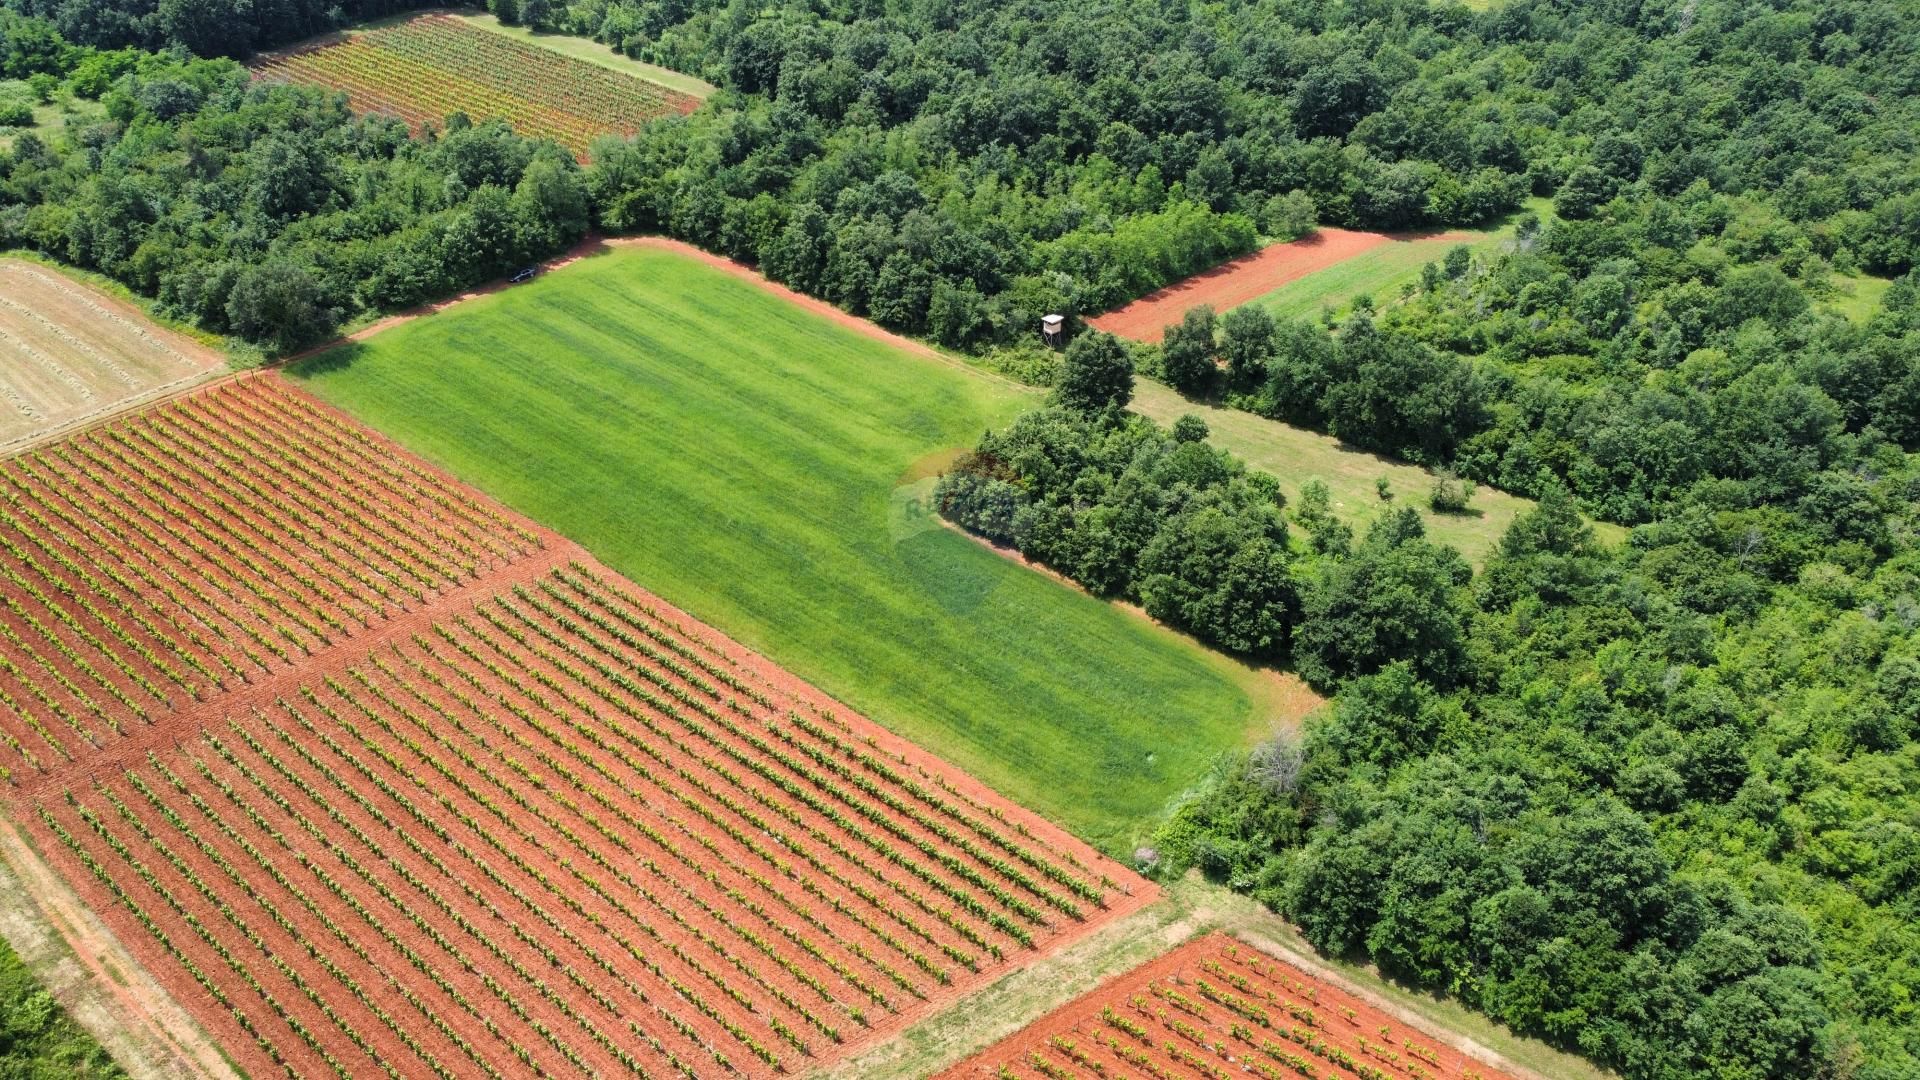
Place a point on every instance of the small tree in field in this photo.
(1451, 493)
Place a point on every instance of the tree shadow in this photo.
(336, 358)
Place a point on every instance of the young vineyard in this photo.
(379, 780)
(1219, 1009)
(428, 67)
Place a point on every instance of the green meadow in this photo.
(766, 470)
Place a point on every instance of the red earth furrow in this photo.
(466, 969)
(172, 975)
(116, 598)
(320, 545)
(720, 736)
(173, 560)
(378, 952)
(500, 787)
(247, 439)
(1218, 1007)
(534, 832)
(191, 526)
(235, 911)
(717, 735)
(628, 792)
(730, 778)
(486, 907)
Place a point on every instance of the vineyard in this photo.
(377, 779)
(68, 352)
(1219, 1009)
(428, 67)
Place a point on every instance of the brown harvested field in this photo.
(1236, 281)
(374, 777)
(69, 352)
(1219, 1009)
(427, 67)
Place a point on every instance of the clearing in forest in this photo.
(754, 462)
(69, 352)
(1219, 1009)
(376, 778)
(425, 68)
(1236, 281)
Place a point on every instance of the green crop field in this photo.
(760, 466)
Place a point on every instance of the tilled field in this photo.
(376, 778)
(423, 69)
(1219, 1009)
(68, 352)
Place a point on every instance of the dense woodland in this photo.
(1658, 803)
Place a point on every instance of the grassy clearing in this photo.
(1297, 455)
(1857, 296)
(1189, 908)
(1384, 271)
(595, 53)
(756, 464)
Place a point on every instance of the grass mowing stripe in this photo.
(752, 462)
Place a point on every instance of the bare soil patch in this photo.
(1236, 281)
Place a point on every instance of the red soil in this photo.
(1219, 1008)
(529, 819)
(1237, 281)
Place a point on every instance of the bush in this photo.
(16, 114)
(1450, 494)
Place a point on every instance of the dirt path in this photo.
(83, 965)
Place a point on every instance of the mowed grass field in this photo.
(755, 464)
(1297, 455)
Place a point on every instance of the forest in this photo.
(1657, 802)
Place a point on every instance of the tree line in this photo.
(1653, 803)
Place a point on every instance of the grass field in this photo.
(744, 459)
(1297, 455)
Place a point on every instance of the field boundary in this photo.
(87, 969)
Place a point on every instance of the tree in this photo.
(1246, 338)
(1188, 350)
(1398, 597)
(1585, 189)
(1326, 534)
(1096, 374)
(1451, 493)
(550, 203)
(281, 305)
(1290, 216)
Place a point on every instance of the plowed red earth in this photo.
(377, 778)
(1220, 1009)
(1236, 281)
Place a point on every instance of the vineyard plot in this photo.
(1219, 1009)
(377, 779)
(425, 68)
(69, 352)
